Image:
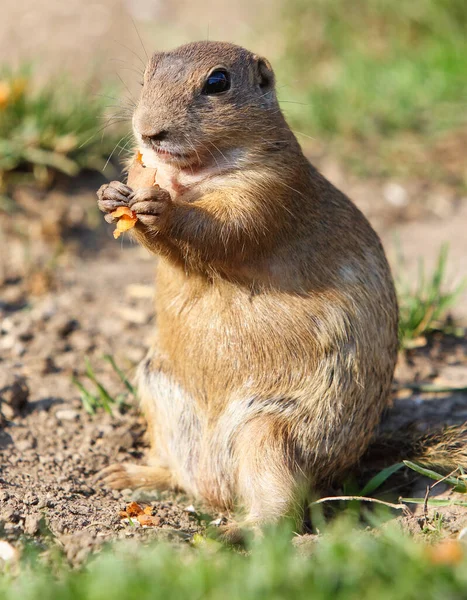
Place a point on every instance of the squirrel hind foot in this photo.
(135, 477)
(239, 534)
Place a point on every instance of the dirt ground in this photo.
(68, 291)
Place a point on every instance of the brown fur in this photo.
(276, 311)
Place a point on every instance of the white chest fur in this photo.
(178, 181)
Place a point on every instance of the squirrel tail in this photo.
(443, 449)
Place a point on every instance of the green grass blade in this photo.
(106, 398)
(378, 480)
(90, 402)
(421, 308)
(110, 359)
(434, 501)
(459, 486)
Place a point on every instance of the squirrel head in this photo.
(206, 100)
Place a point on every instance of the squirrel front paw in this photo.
(111, 196)
(152, 206)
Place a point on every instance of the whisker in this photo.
(195, 151)
(109, 122)
(130, 139)
(124, 108)
(125, 62)
(215, 159)
(293, 189)
(220, 151)
(304, 135)
(132, 51)
(116, 118)
(139, 73)
(136, 29)
(127, 88)
(106, 96)
(111, 154)
(294, 102)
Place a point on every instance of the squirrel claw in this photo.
(151, 205)
(112, 195)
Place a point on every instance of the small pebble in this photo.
(24, 445)
(11, 516)
(32, 524)
(67, 414)
(66, 327)
(14, 394)
(30, 499)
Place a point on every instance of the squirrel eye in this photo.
(217, 82)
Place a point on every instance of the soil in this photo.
(70, 292)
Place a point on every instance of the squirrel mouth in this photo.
(170, 153)
(180, 159)
(188, 162)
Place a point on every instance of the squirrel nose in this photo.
(156, 137)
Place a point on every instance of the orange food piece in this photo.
(139, 174)
(448, 552)
(123, 211)
(149, 520)
(143, 515)
(134, 509)
(139, 158)
(126, 220)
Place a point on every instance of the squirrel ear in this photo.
(264, 72)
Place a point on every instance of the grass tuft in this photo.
(422, 308)
(50, 128)
(101, 398)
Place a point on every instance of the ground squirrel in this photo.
(276, 311)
